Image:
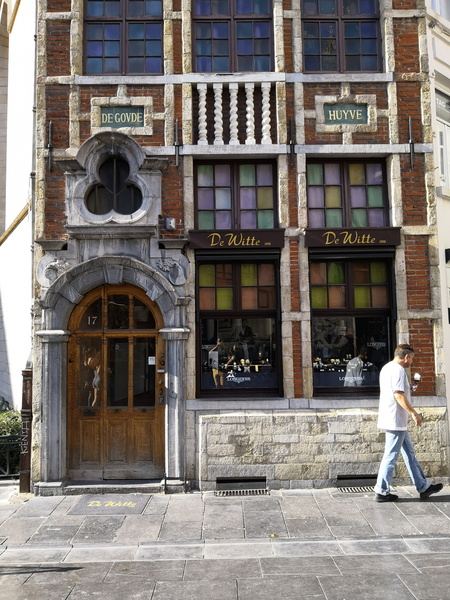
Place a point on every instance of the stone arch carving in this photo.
(69, 289)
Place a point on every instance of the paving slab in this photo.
(98, 530)
(161, 551)
(196, 590)
(291, 588)
(212, 570)
(175, 531)
(159, 570)
(308, 548)
(370, 563)
(69, 573)
(238, 549)
(369, 587)
(54, 535)
(427, 586)
(33, 554)
(138, 528)
(376, 546)
(131, 590)
(39, 507)
(18, 530)
(264, 523)
(90, 554)
(50, 592)
(305, 565)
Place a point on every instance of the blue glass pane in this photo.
(328, 47)
(368, 30)
(328, 30)
(264, 175)
(136, 31)
(261, 29)
(352, 47)
(310, 7)
(135, 8)
(94, 65)
(222, 175)
(311, 47)
(351, 30)
(221, 65)
(376, 218)
(153, 65)
(312, 63)
(244, 7)
(329, 63)
(95, 32)
(248, 198)
(219, 7)
(327, 7)
(352, 63)
(112, 49)
(245, 47)
(112, 65)
(223, 198)
(203, 47)
(366, 7)
(112, 9)
(95, 9)
(112, 32)
(369, 63)
(136, 65)
(136, 48)
(220, 30)
(245, 63)
(153, 8)
(204, 64)
(153, 31)
(261, 47)
(220, 47)
(369, 46)
(202, 7)
(261, 7)
(311, 30)
(95, 49)
(244, 30)
(350, 7)
(374, 174)
(262, 63)
(153, 49)
(203, 31)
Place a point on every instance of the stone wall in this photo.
(307, 449)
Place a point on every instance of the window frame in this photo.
(235, 196)
(123, 21)
(238, 313)
(443, 141)
(232, 18)
(346, 208)
(341, 20)
(389, 313)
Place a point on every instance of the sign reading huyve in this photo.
(351, 114)
(378, 236)
(244, 239)
(122, 116)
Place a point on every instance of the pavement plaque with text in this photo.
(110, 504)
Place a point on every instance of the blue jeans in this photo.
(396, 442)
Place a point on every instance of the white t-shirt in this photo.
(391, 415)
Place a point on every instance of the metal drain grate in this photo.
(362, 488)
(241, 492)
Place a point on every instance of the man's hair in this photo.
(403, 350)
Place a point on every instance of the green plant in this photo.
(10, 422)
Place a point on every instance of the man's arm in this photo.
(406, 404)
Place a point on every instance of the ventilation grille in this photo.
(241, 492)
(352, 490)
(241, 486)
(348, 484)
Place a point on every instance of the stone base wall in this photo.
(306, 449)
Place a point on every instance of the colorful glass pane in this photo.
(361, 272)
(378, 272)
(318, 273)
(249, 298)
(265, 219)
(247, 175)
(336, 296)
(336, 273)
(207, 298)
(377, 217)
(357, 174)
(205, 175)
(249, 274)
(334, 217)
(374, 174)
(315, 197)
(358, 196)
(223, 219)
(206, 220)
(248, 219)
(266, 274)
(332, 174)
(314, 174)
(224, 275)
(223, 175)
(316, 218)
(264, 175)
(375, 196)
(379, 296)
(207, 276)
(319, 297)
(248, 198)
(205, 198)
(362, 296)
(223, 198)
(359, 217)
(266, 298)
(265, 197)
(224, 298)
(333, 196)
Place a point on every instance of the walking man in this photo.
(395, 408)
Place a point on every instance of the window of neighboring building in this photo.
(443, 137)
(346, 194)
(351, 321)
(123, 37)
(340, 35)
(232, 35)
(236, 195)
(442, 7)
(237, 303)
(114, 193)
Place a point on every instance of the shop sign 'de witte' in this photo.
(378, 236)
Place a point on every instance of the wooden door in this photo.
(116, 387)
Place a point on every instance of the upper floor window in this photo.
(340, 35)
(346, 194)
(232, 35)
(236, 195)
(123, 37)
(442, 7)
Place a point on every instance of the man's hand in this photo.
(417, 419)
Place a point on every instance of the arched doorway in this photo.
(115, 420)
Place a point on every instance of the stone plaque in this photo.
(340, 114)
(110, 504)
(122, 116)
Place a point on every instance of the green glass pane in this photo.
(319, 297)
(205, 175)
(224, 298)
(247, 175)
(333, 217)
(375, 196)
(336, 273)
(206, 219)
(265, 219)
(362, 296)
(314, 174)
(265, 197)
(359, 217)
(357, 174)
(333, 196)
(249, 275)
(378, 272)
(207, 276)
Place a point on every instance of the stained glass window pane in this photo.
(207, 276)
(224, 275)
(318, 273)
(332, 196)
(336, 296)
(223, 175)
(336, 273)
(248, 198)
(249, 274)
(319, 297)
(264, 175)
(265, 219)
(315, 197)
(316, 218)
(223, 198)
(357, 196)
(375, 196)
(207, 299)
(205, 199)
(333, 218)
(249, 298)
(359, 217)
(224, 298)
(205, 175)
(379, 297)
(376, 218)
(332, 174)
(266, 275)
(265, 197)
(205, 220)
(266, 298)
(361, 272)
(378, 272)
(357, 174)
(223, 220)
(362, 296)
(247, 175)
(314, 174)
(248, 219)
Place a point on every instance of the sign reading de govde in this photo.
(349, 114)
(122, 116)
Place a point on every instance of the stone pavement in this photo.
(303, 544)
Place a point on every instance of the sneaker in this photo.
(386, 498)
(434, 488)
